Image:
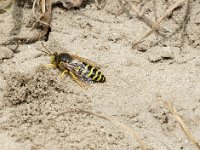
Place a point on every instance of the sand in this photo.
(32, 97)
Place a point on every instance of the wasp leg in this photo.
(50, 66)
(77, 80)
(74, 77)
(65, 71)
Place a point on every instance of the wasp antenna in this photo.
(47, 51)
(43, 51)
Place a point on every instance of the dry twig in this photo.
(157, 23)
(184, 25)
(155, 10)
(43, 22)
(125, 127)
(148, 21)
(182, 124)
(145, 19)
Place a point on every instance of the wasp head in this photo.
(54, 58)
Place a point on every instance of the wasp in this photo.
(80, 69)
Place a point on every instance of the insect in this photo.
(80, 69)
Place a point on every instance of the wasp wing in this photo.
(87, 61)
(74, 73)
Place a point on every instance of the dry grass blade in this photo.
(145, 19)
(33, 8)
(155, 10)
(157, 23)
(186, 18)
(44, 13)
(43, 6)
(125, 127)
(182, 124)
(140, 15)
(47, 14)
(44, 21)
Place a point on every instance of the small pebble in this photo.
(158, 53)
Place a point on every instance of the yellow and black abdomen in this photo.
(93, 74)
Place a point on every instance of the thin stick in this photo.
(43, 12)
(182, 124)
(125, 127)
(155, 10)
(43, 6)
(33, 8)
(145, 19)
(186, 18)
(157, 23)
(140, 15)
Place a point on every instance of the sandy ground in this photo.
(138, 81)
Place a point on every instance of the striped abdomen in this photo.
(93, 74)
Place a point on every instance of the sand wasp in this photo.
(80, 69)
